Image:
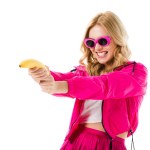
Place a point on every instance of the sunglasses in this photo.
(103, 41)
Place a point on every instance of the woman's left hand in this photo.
(48, 84)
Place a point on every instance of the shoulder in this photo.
(141, 66)
(138, 66)
(80, 70)
(132, 65)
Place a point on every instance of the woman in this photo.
(107, 86)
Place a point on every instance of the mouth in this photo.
(102, 54)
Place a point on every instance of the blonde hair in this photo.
(116, 30)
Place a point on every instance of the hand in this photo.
(47, 82)
(39, 74)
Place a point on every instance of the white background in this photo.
(52, 31)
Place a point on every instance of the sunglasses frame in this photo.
(96, 41)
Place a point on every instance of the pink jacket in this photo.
(122, 93)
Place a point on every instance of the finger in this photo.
(38, 73)
(41, 76)
(42, 72)
(46, 77)
(47, 67)
(33, 69)
(47, 70)
(36, 70)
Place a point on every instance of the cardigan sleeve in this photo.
(58, 76)
(115, 85)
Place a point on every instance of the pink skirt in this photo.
(90, 139)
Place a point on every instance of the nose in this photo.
(98, 46)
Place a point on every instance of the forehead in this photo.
(97, 31)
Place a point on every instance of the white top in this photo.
(92, 111)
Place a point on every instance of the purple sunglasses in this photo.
(103, 41)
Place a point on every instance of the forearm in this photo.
(61, 87)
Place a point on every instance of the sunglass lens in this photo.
(103, 41)
(90, 43)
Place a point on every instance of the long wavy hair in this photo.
(116, 30)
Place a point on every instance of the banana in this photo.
(31, 63)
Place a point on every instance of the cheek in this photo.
(112, 52)
(111, 48)
(92, 50)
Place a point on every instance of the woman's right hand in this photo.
(38, 74)
(47, 82)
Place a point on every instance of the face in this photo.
(102, 53)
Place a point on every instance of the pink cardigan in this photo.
(122, 93)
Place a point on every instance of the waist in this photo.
(99, 126)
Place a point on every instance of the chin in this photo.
(103, 61)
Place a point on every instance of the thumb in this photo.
(47, 70)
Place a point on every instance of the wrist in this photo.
(61, 87)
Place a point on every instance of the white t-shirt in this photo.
(92, 111)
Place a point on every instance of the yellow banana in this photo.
(31, 63)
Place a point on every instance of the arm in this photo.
(115, 85)
(38, 73)
(51, 86)
(52, 82)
